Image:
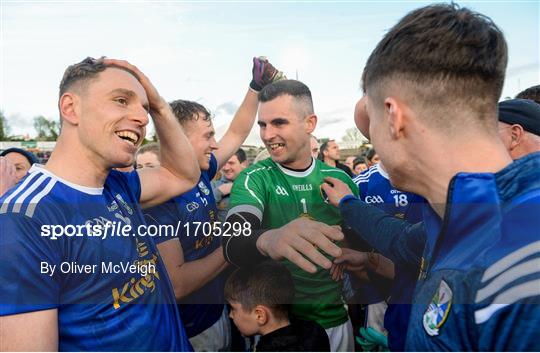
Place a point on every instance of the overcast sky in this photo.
(202, 50)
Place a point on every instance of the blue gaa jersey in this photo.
(196, 211)
(375, 188)
(112, 292)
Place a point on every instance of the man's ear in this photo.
(516, 135)
(69, 106)
(395, 111)
(311, 123)
(262, 314)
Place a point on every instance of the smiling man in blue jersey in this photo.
(194, 260)
(62, 294)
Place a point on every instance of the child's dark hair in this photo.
(269, 283)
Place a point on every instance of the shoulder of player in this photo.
(36, 192)
(258, 169)
(366, 175)
(328, 171)
(510, 276)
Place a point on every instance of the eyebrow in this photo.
(273, 121)
(129, 94)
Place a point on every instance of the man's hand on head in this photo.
(335, 190)
(299, 241)
(157, 104)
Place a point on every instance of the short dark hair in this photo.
(186, 111)
(370, 154)
(359, 160)
(85, 71)
(324, 147)
(298, 90)
(241, 155)
(532, 93)
(270, 284)
(447, 56)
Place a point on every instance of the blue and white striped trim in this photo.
(509, 280)
(43, 184)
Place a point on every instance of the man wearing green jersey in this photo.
(281, 200)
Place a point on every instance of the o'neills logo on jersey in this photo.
(374, 199)
(302, 187)
(280, 190)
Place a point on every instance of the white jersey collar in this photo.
(382, 171)
(296, 174)
(87, 190)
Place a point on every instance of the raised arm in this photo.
(179, 170)
(242, 123)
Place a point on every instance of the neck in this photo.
(330, 162)
(301, 163)
(434, 169)
(273, 325)
(71, 162)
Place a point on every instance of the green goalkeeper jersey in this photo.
(277, 196)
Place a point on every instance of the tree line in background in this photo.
(47, 130)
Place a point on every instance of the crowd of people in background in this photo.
(426, 240)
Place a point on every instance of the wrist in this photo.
(346, 198)
(262, 243)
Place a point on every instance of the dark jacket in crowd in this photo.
(299, 336)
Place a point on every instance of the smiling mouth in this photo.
(276, 146)
(128, 136)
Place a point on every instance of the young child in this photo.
(260, 298)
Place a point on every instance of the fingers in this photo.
(300, 261)
(307, 249)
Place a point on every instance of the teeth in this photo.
(276, 145)
(128, 136)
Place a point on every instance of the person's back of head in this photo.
(532, 93)
(260, 297)
(447, 62)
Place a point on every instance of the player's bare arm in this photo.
(242, 123)
(179, 170)
(33, 331)
(187, 277)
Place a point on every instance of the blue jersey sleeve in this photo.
(213, 167)
(25, 273)
(164, 214)
(134, 182)
(400, 241)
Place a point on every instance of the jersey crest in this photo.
(437, 311)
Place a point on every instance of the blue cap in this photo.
(29, 155)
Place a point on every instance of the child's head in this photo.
(260, 297)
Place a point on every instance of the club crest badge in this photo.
(437, 311)
(204, 189)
